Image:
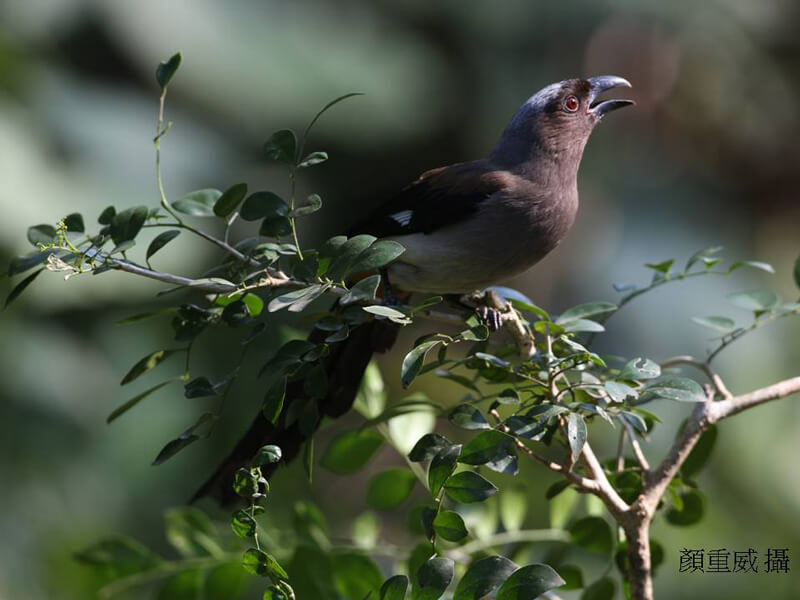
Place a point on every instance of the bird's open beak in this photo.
(602, 84)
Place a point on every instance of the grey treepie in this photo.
(464, 227)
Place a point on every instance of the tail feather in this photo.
(345, 366)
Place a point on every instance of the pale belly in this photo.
(462, 259)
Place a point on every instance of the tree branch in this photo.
(703, 366)
(726, 408)
(704, 415)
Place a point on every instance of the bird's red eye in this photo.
(571, 103)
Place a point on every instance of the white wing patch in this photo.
(403, 218)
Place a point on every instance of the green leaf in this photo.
(572, 576)
(468, 486)
(582, 311)
(187, 585)
(640, 368)
(483, 577)
(41, 234)
(267, 455)
(230, 199)
(662, 268)
(254, 304)
(346, 253)
(583, 326)
(681, 389)
(555, 489)
(350, 451)
(592, 534)
(529, 582)
(485, 447)
(757, 301)
(694, 507)
(120, 555)
(282, 146)
(199, 203)
(703, 255)
(127, 224)
(762, 266)
(125, 407)
(390, 488)
(107, 215)
(379, 254)
(20, 264)
(365, 530)
(387, 312)
(243, 525)
(413, 361)
(363, 290)
(700, 454)
(74, 222)
(260, 205)
(355, 576)
(275, 227)
(123, 247)
(166, 69)
(312, 205)
(433, 577)
(428, 446)
(441, 467)
(312, 159)
(723, 324)
(602, 589)
(394, 588)
(191, 532)
(576, 434)
(468, 416)
(20, 287)
(450, 526)
(161, 240)
(619, 392)
(297, 300)
(149, 362)
(185, 439)
(258, 562)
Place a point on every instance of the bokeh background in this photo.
(708, 157)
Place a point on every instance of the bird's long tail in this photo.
(344, 365)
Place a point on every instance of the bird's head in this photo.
(558, 119)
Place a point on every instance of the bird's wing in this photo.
(439, 198)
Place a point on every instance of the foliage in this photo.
(541, 405)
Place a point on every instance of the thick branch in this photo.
(731, 406)
(606, 492)
(704, 415)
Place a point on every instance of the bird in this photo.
(464, 227)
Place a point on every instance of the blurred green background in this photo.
(708, 156)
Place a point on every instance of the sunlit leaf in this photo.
(441, 467)
(681, 389)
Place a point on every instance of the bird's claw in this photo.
(491, 317)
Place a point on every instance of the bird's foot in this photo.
(490, 316)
